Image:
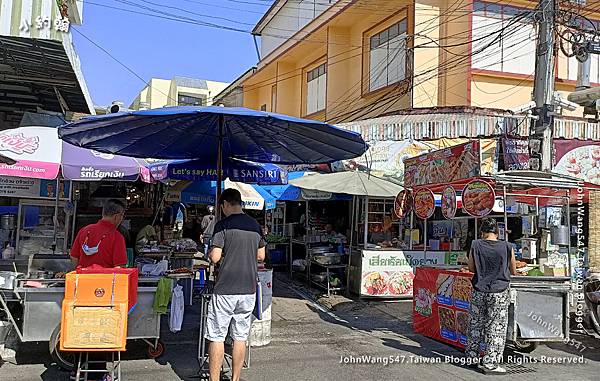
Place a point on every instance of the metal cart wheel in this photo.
(65, 360)
(525, 346)
(155, 351)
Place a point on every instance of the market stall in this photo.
(39, 187)
(533, 213)
(372, 203)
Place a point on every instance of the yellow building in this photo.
(349, 60)
(179, 91)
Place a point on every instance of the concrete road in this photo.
(312, 343)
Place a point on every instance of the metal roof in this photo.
(38, 74)
(191, 82)
(238, 82)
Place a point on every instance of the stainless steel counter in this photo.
(42, 310)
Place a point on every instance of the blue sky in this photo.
(154, 47)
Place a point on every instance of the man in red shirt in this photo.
(101, 243)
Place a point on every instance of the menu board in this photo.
(443, 166)
(449, 203)
(403, 203)
(441, 304)
(424, 203)
(478, 198)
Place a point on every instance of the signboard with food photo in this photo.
(443, 166)
(478, 198)
(441, 304)
(386, 274)
(424, 203)
(449, 203)
(578, 158)
(403, 204)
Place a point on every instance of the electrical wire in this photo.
(180, 20)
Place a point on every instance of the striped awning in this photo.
(566, 128)
(422, 125)
(429, 126)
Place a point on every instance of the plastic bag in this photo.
(177, 309)
(155, 269)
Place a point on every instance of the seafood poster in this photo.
(578, 158)
(443, 166)
(441, 305)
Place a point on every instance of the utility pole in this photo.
(540, 142)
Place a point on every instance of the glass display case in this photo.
(383, 225)
(36, 233)
(275, 219)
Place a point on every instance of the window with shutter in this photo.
(499, 42)
(316, 89)
(387, 56)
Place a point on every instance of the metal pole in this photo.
(543, 90)
(425, 238)
(54, 241)
(505, 214)
(569, 227)
(366, 211)
(352, 223)
(219, 165)
(412, 224)
(583, 74)
(350, 246)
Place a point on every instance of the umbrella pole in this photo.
(352, 226)
(366, 232)
(54, 240)
(219, 166)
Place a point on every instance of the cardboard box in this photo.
(555, 271)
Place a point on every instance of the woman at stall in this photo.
(492, 262)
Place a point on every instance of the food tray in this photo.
(328, 259)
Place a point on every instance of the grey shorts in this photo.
(226, 310)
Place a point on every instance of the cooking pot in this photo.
(8, 222)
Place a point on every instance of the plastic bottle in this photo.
(8, 252)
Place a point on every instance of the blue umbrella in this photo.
(235, 170)
(211, 133)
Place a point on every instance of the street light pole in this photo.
(543, 91)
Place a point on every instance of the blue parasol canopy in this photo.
(203, 192)
(199, 132)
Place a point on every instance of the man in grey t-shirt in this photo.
(237, 244)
